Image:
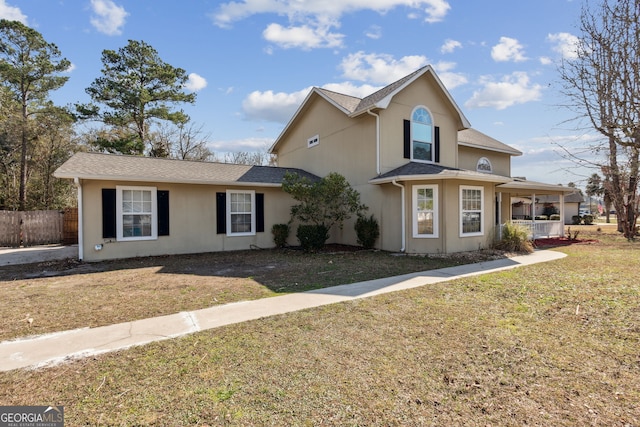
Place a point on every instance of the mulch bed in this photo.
(560, 241)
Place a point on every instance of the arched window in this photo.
(484, 165)
(421, 135)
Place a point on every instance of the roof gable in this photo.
(353, 106)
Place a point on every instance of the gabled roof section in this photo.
(475, 139)
(345, 102)
(353, 106)
(112, 167)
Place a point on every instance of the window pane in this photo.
(136, 225)
(422, 115)
(471, 200)
(241, 223)
(421, 151)
(425, 223)
(421, 132)
(471, 222)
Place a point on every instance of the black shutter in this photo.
(108, 213)
(407, 139)
(221, 214)
(436, 157)
(259, 213)
(163, 213)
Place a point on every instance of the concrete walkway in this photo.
(51, 349)
(31, 254)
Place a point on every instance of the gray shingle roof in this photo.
(473, 138)
(416, 170)
(100, 166)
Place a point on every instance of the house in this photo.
(434, 184)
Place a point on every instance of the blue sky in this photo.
(252, 62)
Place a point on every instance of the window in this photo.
(471, 211)
(484, 165)
(425, 211)
(136, 213)
(421, 135)
(241, 213)
(313, 141)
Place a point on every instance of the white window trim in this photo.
(435, 234)
(253, 213)
(433, 142)
(154, 213)
(482, 213)
(313, 141)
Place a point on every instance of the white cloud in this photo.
(273, 106)
(450, 45)
(228, 13)
(447, 76)
(379, 68)
(545, 60)
(311, 22)
(374, 32)
(565, 44)
(304, 37)
(508, 49)
(511, 90)
(12, 13)
(195, 82)
(109, 18)
(241, 145)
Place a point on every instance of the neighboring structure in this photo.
(434, 184)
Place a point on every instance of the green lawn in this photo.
(554, 344)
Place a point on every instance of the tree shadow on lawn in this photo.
(281, 270)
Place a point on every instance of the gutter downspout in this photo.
(404, 223)
(377, 140)
(77, 183)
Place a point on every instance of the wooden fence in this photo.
(31, 228)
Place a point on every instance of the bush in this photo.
(576, 220)
(555, 217)
(367, 231)
(280, 234)
(588, 219)
(515, 238)
(312, 237)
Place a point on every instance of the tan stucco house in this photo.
(434, 184)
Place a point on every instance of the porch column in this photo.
(561, 214)
(533, 215)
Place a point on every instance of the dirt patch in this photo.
(553, 242)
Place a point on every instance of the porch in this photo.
(537, 229)
(537, 207)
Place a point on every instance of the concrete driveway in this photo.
(11, 256)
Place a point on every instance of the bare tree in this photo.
(184, 141)
(603, 82)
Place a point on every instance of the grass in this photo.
(548, 344)
(65, 295)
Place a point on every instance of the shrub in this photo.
(576, 220)
(555, 217)
(280, 234)
(367, 231)
(515, 238)
(588, 219)
(312, 237)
